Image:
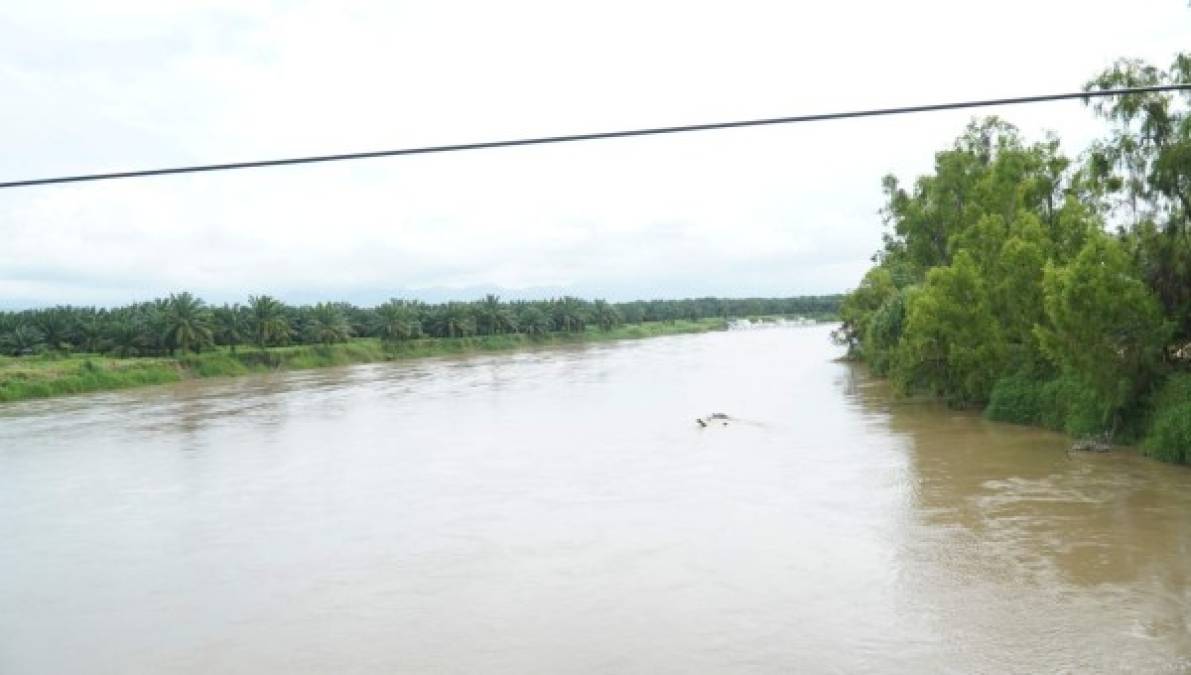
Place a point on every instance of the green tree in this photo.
(88, 332)
(232, 325)
(606, 316)
(125, 336)
(953, 346)
(396, 320)
(55, 326)
(570, 315)
(1104, 326)
(875, 289)
(187, 323)
(268, 321)
(456, 320)
(22, 340)
(493, 318)
(883, 330)
(327, 324)
(533, 321)
(1141, 174)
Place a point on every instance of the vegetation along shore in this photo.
(1046, 289)
(65, 350)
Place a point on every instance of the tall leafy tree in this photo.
(1142, 174)
(875, 289)
(953, 345)
(1105, 326)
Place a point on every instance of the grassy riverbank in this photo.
(1160, 423)
(55, 375)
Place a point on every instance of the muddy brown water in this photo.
(559, 511)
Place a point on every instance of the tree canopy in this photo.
(184, 323)
(1013, 265)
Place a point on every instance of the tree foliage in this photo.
(184, 322)
(1059, 290)
(1104, 325)
(952, 344)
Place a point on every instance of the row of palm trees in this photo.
(185, 323)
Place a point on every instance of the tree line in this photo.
(183, 322)
(1051, 289)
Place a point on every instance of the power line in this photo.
(603, 135)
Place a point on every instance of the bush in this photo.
(1169, 437)
(1065, 404)
(883, 331)
(1068, 404)
(213, 365)
(1017, 399)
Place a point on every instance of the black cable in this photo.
(593, 136)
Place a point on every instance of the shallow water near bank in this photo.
(560, 511)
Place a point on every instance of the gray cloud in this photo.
(750, 212)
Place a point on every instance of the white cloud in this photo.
(764, 211)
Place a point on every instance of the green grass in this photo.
(41, 377)
(1162, 423)
(1169, 435)
(56, 375)
(1062, 403)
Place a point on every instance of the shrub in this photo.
(1169, 437)
(1068, 404)
(1016, 398)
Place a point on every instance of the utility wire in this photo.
(603, 135)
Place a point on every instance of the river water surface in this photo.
(559, 511)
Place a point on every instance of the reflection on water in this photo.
(560, 511)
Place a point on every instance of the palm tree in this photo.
(506, 322)
(326, 324)
(533, 321)
(570, 315)
(88, 332)
(455, 320)
(54, 326)
(267, 321)
(231, 325)
(187, 323)
(22, 340)
(396, 320)
(605, 315)
(493, 317)
(124, 336)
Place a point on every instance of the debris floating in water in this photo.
(1090, 445)
(721, 417)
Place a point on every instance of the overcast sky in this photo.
(117, 85)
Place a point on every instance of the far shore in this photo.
(49, 375)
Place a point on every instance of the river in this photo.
(560, 511)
